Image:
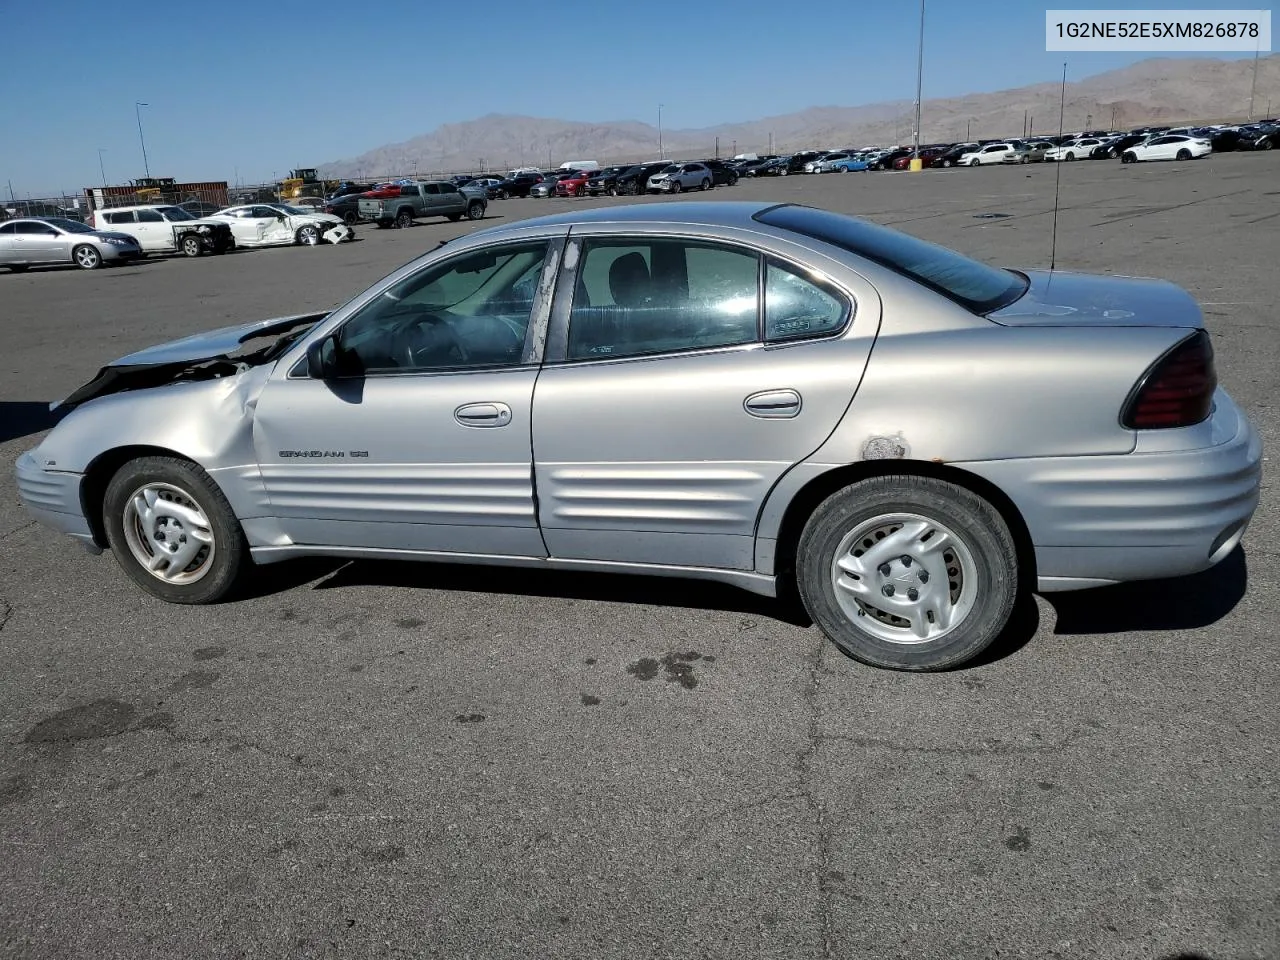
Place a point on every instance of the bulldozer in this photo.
(155, 189)
(305, 182)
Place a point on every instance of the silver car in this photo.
(681, 176)
(29, 242)
(759, 394)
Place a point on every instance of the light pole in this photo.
(967, 125)
(1253, 87)
(915, 142)
(137, 110)
(101, 168)
(662, 154)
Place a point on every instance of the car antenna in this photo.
(1057, 177)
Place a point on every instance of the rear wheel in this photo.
(475, 210)
(455, 217)
(350, 218)
(1184, 154)
(87, 257)
(908, 572)
(172, 530)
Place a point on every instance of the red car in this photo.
(383, 191)
(928, 157)
(575, 185)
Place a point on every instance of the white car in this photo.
(1168, 146)
(278, 224)
(991, 153)
(828, 163)
(163, 228)
(1073, 149)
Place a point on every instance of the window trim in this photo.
(557, 340)
(528, 354)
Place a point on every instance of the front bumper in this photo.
(338, 233)
(111, 253)
(1168, 509)
(52, 498)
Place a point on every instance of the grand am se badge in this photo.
(324, 454)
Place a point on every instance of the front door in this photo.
(675, 402)
(153, 231)
(422, 442)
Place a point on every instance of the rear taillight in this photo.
(1177, 390)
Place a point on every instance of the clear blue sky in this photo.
(259, 87)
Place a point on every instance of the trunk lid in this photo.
(1059, 299)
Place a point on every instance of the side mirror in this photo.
(322, 358)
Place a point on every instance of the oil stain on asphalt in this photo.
(678, 668)
(91, 721)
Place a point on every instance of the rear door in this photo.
(663, 415)
(9, 247)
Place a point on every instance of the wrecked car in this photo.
(764, 395)
(282, 225)
(167, 229)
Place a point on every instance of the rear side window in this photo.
(120, 216)
(796, 307)
(639, 297)
(408, 191)
(150, 216)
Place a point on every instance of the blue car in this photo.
(850, 165)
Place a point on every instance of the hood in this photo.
(116, 235)
(201, 357)
(1058, 299)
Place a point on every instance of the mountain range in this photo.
(1159, 90)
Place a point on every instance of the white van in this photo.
(580, 165)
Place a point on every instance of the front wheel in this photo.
(86, 257)
(675, 186)
(1070, 157)
(1128, 157)
(705, 185)
(172, 530)
(475, 211)
(191, 246)
(1184, 154)
(908, 572)
(308, 235)
(350, 218)
(975, 163)
(504, 195)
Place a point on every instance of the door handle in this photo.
(483, 414)
(773, 404)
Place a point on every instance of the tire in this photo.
(1267, 145)
(1070, 157)
(976, 564)
(733, 180)
(1128, 157)
(705, 185)
(351, 218)
(86, 257)
(784, 172)
(1184, 154)
(308, 235)
(190, 246)
(455, 217)
(1024, 159)
(947, 163)
(403, 220)
(221, 554)
(19, 268)
(675, 186)
(504, 195)
(975, 162)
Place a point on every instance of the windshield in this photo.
(176, 213)
(68, 226)
(974, 285)
(671, 168)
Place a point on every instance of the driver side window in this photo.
(470, 311)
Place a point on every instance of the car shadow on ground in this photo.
(1181, 604)
(22, 418)
(330, 574)
(110, 269)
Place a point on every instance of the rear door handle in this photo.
(773, 404)
(483, 415)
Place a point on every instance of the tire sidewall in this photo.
(231, 551)
(977, 522)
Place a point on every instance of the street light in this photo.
(101, 168)
(662, 154)
(915, 140)
(137, 105)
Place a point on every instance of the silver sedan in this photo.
(765, 395)
(29, 242)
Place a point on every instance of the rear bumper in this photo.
(1162, 511)
(52, 498)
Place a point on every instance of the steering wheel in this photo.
(427, 340)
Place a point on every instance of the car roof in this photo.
(728, 213)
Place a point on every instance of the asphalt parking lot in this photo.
(380, 760)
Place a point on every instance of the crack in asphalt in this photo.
(26, 526)
(804, 772)
(6, 611)
(988, 748)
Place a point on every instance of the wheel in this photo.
(1184, 154)
(351, 218)
(404, 220)
(613, 191)
(19, 268)
(705, 185)
(191, 246)
(783, 172)
(1070, 157)
(675, 186)
(475, 210)
(504, 195)
(308, 235)
(455, 217)
(1267, 145)
(908, 572)
(1024, 159)
(947, 163)
(87, 257)
(172, 530)
(733, 180)
(975, 162)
